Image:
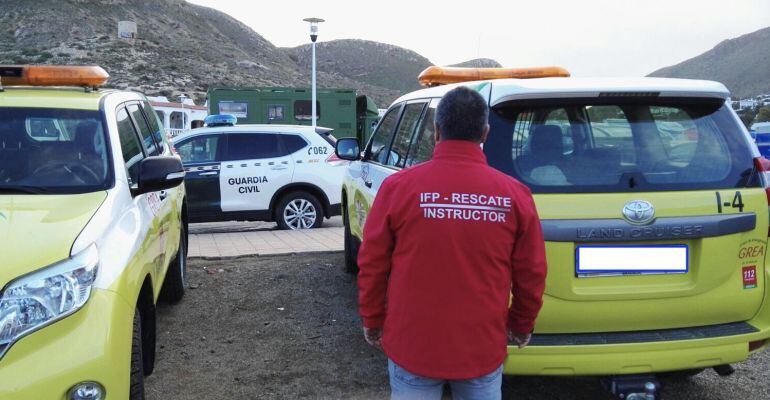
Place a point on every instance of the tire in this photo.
(351, 246)
(305, 209)
(176, 276)
(137, 363)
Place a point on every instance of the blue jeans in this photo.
(407, 386)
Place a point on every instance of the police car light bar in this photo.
(91, 76)
(220, 120)
(435, 75)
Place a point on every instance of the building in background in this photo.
(339, 109)
(179, 117)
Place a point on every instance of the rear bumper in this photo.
(637, 353)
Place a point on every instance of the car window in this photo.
(303, 110)
(50, 150)
(155, 125)
(293, 143)
(424, 140)
(380, 142)
(144, 130)
(247, 146)
(404, 133)
(623, 146)
(610, 128)
(199, 149)
(130, 145)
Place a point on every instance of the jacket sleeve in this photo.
(374, 259)
(528, 268)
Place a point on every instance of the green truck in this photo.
(340, 109)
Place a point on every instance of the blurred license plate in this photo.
(590, 260)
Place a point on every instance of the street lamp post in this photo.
(313, 36)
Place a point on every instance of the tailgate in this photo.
(725, 236)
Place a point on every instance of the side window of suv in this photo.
(404, 133)
(144, 129)
(250, 146)
(380, 144)
(155, 124)
(130, 145)
(199, 149)
(424, 140)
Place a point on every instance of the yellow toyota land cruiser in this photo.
(653, 204)
(92, 232)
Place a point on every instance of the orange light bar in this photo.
(435, 75)
(53, 75)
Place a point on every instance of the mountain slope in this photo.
(185, 48)
(377, 64)
(742, 64)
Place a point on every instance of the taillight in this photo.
(333, 159)
(762, 165)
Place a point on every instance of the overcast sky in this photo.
(588, 37)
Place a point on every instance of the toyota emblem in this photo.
(638, 212)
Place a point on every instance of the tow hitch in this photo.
(633, 387)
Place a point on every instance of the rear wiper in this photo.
(21, 189)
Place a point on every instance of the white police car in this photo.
(283, 173)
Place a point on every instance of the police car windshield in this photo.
(46, 150)
(612, 145)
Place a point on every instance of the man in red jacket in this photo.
(445, 244)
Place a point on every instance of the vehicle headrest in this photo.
(84, 134)
(547, 142)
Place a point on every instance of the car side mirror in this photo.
(159, 173)
(348, 149)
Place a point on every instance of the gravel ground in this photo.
(286, 327)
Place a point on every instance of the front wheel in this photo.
(176, 275)
(299, 210)
(137, 363)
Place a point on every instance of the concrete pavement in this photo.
(237, 239)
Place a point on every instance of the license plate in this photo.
(620, 260)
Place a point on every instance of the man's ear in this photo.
(485, 133)
(436, 133)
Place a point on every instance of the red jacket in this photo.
(445, 243)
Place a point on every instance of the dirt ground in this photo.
(286, 327)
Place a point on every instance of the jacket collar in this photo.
(459, 150)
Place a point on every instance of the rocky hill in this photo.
(185, 48)
(742, 64)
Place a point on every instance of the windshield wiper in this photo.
(22, 189)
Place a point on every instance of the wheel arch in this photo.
(301, 186)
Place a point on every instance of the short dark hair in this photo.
(461, 115)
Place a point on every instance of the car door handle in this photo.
(368, 184)
(278, 168)
(209, 173)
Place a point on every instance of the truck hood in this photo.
(38, 230)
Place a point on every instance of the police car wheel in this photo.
(137, 364)
(299, 210)
(351, 248)
(176, 276)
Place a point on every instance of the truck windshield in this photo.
(52, 151)
(614, 145)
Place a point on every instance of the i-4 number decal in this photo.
(736, 203)
(317, 150)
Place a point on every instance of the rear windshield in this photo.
(613, 145)
(52, 151)
(327, 136)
